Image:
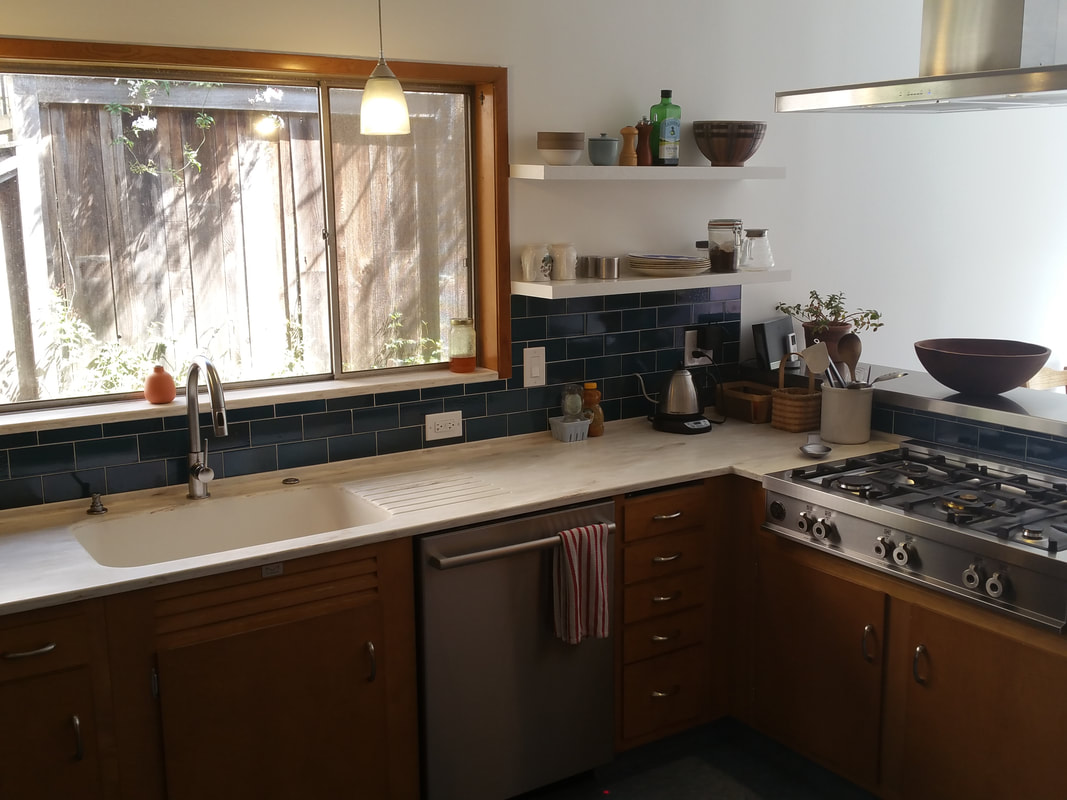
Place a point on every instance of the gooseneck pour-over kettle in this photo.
(679, 408)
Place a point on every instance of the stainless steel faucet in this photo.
(199, 472)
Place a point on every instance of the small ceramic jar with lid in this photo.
(604, 151)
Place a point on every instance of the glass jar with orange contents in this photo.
(591, 408)
(461, 339)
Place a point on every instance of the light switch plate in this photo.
(533, 366)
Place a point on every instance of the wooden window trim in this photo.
(489, 140)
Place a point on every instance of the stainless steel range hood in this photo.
(975, 55)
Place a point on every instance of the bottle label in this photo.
(670, 135)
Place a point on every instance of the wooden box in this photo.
(743, 400)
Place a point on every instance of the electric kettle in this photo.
(679, 408)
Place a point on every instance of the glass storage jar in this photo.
(461, 339)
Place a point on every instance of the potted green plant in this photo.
(827, 319)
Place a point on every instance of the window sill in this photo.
(127, 410)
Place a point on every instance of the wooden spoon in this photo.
(849, 348)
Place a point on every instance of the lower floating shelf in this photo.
(629, 284)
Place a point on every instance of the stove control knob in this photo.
(883, 548)
(903, 554)
(777, 510)
(972, 577)
(824, 530)
(997, 585)
(804, 521)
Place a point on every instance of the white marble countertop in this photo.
(426, 490)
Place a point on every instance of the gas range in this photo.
(989, 532)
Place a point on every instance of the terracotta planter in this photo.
(830, 335)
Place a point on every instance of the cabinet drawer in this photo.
(44, 646)
(664, 692)
(664, 555)
(664, 595)
(664, 512)
(665, 634)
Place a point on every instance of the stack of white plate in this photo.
(665, 266)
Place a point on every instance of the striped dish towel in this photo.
(580, 566)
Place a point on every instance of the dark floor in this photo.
(721, 761)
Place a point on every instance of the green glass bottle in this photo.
(666, 120)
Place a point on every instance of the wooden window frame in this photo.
(489, 141)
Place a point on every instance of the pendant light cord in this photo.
(381, 46)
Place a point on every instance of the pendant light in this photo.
(383, 110)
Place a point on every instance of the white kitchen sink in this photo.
(219, 524)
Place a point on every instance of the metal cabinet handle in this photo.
(661, 517)
(666, 559)
(664, 637)
(920, 654)
(868, 634)
(79, 745)
(40, 651)
(656, 694)
(666, 598)
(373, 662)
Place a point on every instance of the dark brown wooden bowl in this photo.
(728, 143)
(981, 366)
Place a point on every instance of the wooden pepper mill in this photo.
(644, 143)
(628, 153)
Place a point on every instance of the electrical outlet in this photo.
(692, 342)
(446, 425)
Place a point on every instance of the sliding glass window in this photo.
(146, 219)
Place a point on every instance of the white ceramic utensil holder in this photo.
(846, 415)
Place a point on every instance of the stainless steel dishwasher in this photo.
(506, 706)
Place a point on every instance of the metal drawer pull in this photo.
(920, 653)
(868, 634)
(660, 637)
(373, 662)
(658, 695)
(666, 559)
(661, 517)
(666, 598)
(40, 651)
(79, 745)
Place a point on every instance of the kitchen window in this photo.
(148, 215)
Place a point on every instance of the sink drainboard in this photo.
(420, 491)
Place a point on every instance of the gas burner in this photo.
(855, 483)
(1030, 533)
(965, 501)
(912, 469)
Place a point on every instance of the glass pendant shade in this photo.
(383, 110)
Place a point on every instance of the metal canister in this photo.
(724, 244)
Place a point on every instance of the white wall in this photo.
(950, 224)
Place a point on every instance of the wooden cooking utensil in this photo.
(849, 348)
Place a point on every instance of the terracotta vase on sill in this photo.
(830, 335)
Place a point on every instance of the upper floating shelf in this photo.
(629, 283)
(543, 172)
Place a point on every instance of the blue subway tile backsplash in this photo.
(604, 339)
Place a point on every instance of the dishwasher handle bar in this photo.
(479, 556)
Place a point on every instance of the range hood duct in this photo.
(976, 55)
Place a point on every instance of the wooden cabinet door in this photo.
(48, 737)
(985, 713)
(292, 710)
(817, 661)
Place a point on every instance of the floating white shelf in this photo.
(627, 284)
(542, 172)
